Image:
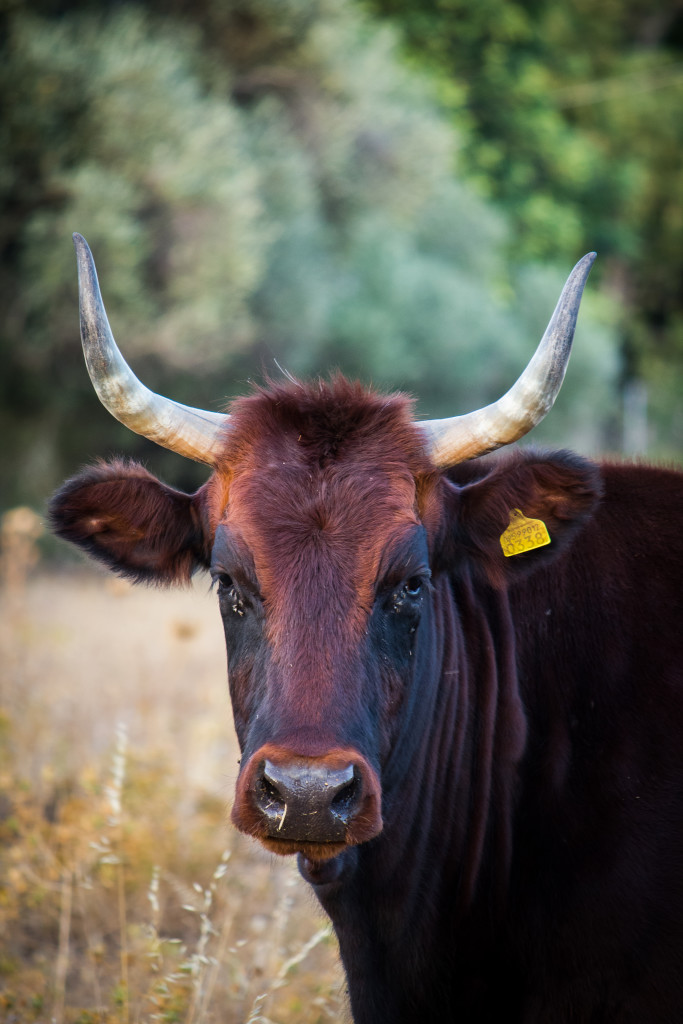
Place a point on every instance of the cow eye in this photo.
(413, 586)
(228, 594)
(405, 598)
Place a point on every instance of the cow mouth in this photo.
(311, 851)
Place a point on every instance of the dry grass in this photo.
(124, 893)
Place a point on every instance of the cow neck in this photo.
(451, 789)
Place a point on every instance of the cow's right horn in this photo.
(194, 433)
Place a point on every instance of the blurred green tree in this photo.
(570, 118)
(258, 180)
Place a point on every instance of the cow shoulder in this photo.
(136, 525)
(560, 489)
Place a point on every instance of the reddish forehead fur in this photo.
(312, 426)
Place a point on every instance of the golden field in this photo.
(125, 894)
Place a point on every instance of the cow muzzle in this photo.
(318, 805)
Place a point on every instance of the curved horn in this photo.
(193, 433)
(459, 438)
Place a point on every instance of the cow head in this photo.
(326, 512)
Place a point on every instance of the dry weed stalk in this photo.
(197, 964)
(280, 979)
(154, 953)
(217, 962)
(200, 968)
(277, 948)
(200, 961)
(90, 959)
(62, 963)
(113, 853)
(116, 821)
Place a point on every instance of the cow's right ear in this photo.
(123, 516)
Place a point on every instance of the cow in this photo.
(456, 677)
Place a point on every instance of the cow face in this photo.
(321, 529)
(322, 568)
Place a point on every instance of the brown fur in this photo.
(123, 516)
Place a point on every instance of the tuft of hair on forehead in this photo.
(327, 419)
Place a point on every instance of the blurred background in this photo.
(396, 188)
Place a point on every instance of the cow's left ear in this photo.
(136, 525)
(560, 489)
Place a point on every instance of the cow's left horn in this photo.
(459, 438)
(194, 433)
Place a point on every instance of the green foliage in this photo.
(257, 181)
(149, 162)
(570, 115)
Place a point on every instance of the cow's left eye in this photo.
(405, 598)
(413, 586)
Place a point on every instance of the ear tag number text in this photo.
(523, 534)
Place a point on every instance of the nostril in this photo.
(268, 783)
(269, 796)
(346, 798)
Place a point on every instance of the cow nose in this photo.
(307, 801)
(292, 800)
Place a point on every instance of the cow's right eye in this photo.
(229, 595)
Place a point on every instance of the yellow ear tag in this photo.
(523, 534)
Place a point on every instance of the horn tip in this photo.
(582, 269)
